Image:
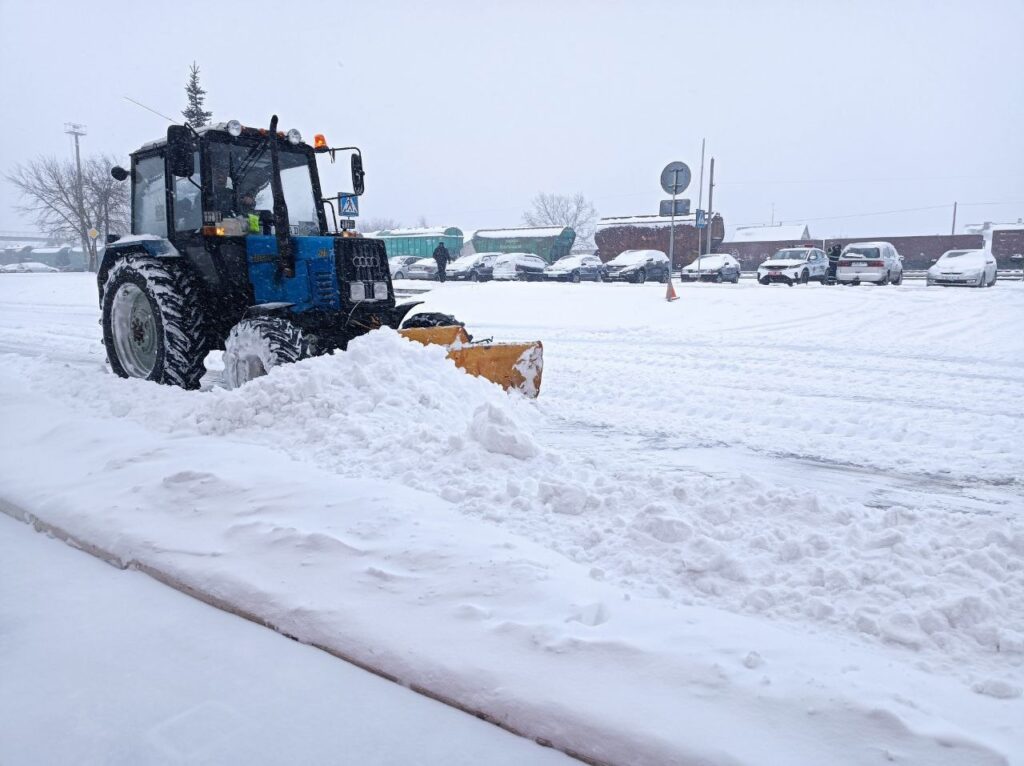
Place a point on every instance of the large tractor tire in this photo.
(153, 326)
(257, 344)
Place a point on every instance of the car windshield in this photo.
(791, 255)
(464, 262)
(954, 254)
(865, 252)
(566, 261)
(241, 183)
(630, 256)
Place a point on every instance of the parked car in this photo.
(525, 267)
(876, 262)
(478, 267)
(28, 266)
(794, 264)
(422, 268)
(716, 267)
(637, 266)
(974, 268)
(399, 265)
(575, 268)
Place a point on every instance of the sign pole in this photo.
(672, 231)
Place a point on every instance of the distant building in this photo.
(420, 242)
(549, 242)
(652, 232)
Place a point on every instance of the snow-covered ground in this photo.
(99, 666)
(792, 514)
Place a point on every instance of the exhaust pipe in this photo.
(285, 259)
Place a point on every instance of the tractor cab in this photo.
(244, 207)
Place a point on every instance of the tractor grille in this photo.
(323, 288)
(361, 260)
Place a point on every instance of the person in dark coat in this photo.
(441, 258)
(834, 251)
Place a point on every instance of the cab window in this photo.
(188, 206)
(149, 205)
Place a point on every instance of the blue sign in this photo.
(702, 220)
(348, 204)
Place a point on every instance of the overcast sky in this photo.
(465, 110)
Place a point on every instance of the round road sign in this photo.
(675, 178)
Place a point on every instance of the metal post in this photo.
(76, 130)
(711, 196)
(700, 202)
(672, 230)
(953, 232)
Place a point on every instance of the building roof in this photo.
(426, 231)
(771, 233)
(543, 231)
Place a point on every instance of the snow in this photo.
(427, 231)
(637, 256)
(649, 221)
(747, 508)
(770, 233)
(87, 645)
(543, 231)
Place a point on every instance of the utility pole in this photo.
(700, 202)
(711, 196)
(953, 232)
(76, 130)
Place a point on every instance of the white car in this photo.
(876, 262)
(28, 266)
(973, 268)
(522, 266)
(716, 267)
(399, 265)
(423, 268)
(794, 264)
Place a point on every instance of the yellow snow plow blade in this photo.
(516, 366)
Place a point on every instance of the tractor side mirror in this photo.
(358, 185)
(118, 173)
(180, 152)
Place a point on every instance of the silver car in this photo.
(424, 268)
(971, 268)
(399, 265)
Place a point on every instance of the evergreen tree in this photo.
(194, 113)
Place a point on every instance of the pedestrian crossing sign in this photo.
(348, 204)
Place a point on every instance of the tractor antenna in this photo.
(154, 111)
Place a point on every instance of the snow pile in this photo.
(385, 403)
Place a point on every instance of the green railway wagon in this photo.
(421, 242)
(550, 243)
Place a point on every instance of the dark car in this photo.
(716, 267)
(525, 267)
(637, 266)
(478, 267)
(575, 268)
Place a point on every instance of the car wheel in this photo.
(763, 281)
(399, 275)
(898, 279)
(641, 277)
(599, 277)
(474, 277)
(995, 276)
(981, 280)
(575, 277)
(789, 282)
(805, 277)
(717, 279)
(884, 280)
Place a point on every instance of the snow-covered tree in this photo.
(194, 112)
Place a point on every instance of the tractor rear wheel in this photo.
(257, 344)
(153, 326)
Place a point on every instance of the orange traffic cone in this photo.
(670, 292)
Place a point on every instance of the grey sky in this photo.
(465, 110)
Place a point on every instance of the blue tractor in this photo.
(231, 249)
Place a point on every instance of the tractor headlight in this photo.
(294, 137)
(380, 291)
(235, 128)
(357, 291)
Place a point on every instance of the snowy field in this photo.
(756, 520)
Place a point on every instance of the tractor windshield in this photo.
(240, 183)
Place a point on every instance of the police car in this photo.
(794, 264)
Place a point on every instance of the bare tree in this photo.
(380, 223)
(48, 190)
(574, 211)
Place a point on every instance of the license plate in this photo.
(775, 273)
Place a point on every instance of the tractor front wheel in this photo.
(257, 344)
(153, 326)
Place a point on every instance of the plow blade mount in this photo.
(516, 366)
